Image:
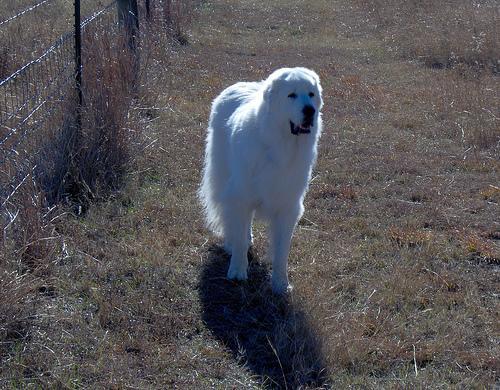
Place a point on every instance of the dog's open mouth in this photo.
(304, 128)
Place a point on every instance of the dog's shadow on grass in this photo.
(266, 333)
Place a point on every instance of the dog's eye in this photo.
(311, 94)
(292, 95)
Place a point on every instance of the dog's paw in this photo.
(250, 239)
(228, 248)
(281, 287)
(237, 273)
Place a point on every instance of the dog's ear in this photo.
(274, 83)
(320, 90)
(270, 89)
(318, 85)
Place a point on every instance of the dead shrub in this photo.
(29, 238)
(60, 161)
(54, 150)
(481, 249)
(410, 237)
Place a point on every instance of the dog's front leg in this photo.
(282, 226)
(238, 222)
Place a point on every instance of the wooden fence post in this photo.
(128, 17)
(148, 10)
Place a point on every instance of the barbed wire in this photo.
(97, 14)
(58, 42)
(24, 12)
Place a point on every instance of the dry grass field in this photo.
(395, 264)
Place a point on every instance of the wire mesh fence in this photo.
(81, 78)
(24, 11)
(38, 107)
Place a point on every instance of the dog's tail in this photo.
(208, 192)
(211, 208)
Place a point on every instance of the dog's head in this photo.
(295, 95)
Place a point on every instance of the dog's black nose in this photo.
(308, 111)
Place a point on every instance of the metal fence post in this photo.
(78, 65)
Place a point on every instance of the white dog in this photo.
(261, 147)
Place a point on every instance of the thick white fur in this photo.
(255, 165)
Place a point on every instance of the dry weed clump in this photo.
(35, 239)
(103, 145)
(29, 249)
(410, 237)
(16, 309)
(29, 241)
(482, 248)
